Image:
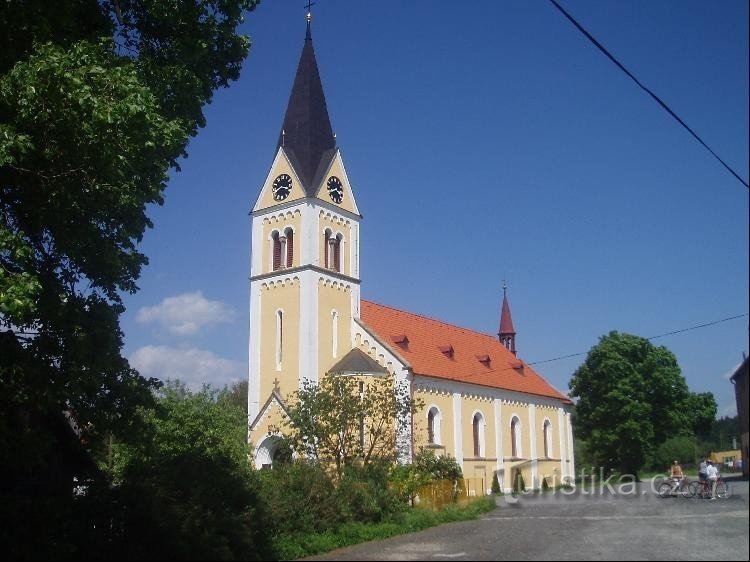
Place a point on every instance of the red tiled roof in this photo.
(426, 339)
(506, 322)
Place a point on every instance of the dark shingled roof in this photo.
(306, 135)
(357, 362)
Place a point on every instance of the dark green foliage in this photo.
(631, 398)
(519, 485)
(495, 484)
(185, 491)
(442, 467)
(681, 448)
(365, 494)
(300, 497)
(299, 545)
(98, 99)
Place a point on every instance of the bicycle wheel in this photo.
(665, 490)
(686, 490)
(695, 489)
(722, 490)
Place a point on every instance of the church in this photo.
(484, 406)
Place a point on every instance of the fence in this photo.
(443, 492)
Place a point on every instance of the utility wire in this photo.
(649, 338)
(649, 92)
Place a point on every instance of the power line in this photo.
(649, 338)
(649, 92)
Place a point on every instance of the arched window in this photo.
(289, 233)
(279, 337)
(547, 431)
(515, 437)
(276, 251)
(433, 426)
(335, 333)
(478, 433)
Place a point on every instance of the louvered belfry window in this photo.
(289, 247)
(276, 251)
(325, 249)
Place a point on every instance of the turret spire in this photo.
(507, 333)
(307, 135)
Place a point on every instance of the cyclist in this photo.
(712, 473)
(676, 475)
(702, 469)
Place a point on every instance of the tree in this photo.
(343, 420)
(98, 99)
(631, 398)
(186, 491)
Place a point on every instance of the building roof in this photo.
(436, 349)
(357, 362)
(506, 322)
(306, 135)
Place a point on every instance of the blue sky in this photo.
(485, 141)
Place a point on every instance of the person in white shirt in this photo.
(712, 473)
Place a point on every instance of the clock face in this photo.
(281, 187)
(335, 190)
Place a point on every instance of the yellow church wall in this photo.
(347, 201)
(281, 167)
(336, 225)
(281, 295)
(521, 411)
(548, 468)
(279, 222)
(333, 295)
(444, 440)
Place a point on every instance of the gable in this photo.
(336, 170)
(281, 165)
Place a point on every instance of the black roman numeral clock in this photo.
(335, 189)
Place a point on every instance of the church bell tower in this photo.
(304, 272)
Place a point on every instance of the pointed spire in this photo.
(307, 136)
(507, 332)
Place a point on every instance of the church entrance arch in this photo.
(272, 450)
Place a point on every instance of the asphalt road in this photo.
(632, 523)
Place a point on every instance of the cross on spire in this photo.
(308, 8)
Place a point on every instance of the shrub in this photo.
(495, 484)
(300, 496)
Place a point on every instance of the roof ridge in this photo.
(433, 319)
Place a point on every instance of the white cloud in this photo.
(192, 366)
(186, 314)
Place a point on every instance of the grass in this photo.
(292, 547)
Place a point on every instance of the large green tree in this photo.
(631, 397)
(98, 100)
(343, 420)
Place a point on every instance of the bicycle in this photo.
(703, 489)
(673, 487)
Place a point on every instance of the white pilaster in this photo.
(308, 327)
(457, 433)
(571, 449)
(253, 386)
(532, 448)
(497, 407)
(561, 443)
